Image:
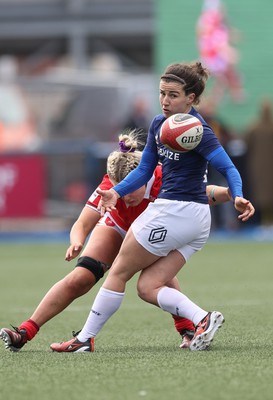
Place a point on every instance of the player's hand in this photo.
(245, 207)
(108, 200)
(73, 251)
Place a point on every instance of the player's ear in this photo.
(190, 98)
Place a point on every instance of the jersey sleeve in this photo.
(212, 150)
(220, 160)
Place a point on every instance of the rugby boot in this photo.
(205, 331)
(14, 339)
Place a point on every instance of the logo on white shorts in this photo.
(157, 235)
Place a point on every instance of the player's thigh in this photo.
(103, 244)
(132, 258)
(161, 273)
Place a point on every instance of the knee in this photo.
(78, 283)
(96, 267)
(144, 291)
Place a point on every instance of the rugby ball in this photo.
(181, 132)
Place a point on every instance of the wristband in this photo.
(212, 194)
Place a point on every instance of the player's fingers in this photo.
(72, 252)
(68, 254)
(110, 208)
(244, 217)
(247, 213)
(99, 206)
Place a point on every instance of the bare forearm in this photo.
(218, 194)
(80, 230)
(78, 233)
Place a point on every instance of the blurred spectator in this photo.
(208, 108)
(139, 118)
(139, 115)
(214, 37)
(17, 131)
(259, 140)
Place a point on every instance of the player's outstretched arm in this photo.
(221, 194)
(80, 230)
(218, 194)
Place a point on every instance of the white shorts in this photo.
(168, 225)
(107, 220)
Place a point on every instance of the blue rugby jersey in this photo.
(183, 174)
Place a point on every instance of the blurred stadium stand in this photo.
(80, 65)
(78, 27)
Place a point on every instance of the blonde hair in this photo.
(121, 162)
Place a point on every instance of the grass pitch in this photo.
(137, 354)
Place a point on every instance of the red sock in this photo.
(31, 327)
(183, 324)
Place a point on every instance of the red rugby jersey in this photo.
(123, 215)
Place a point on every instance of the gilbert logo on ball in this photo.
(181, 132)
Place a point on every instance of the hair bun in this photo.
(125, 149)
